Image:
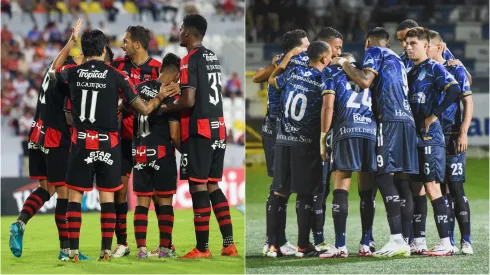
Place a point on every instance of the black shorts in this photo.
(202, 159)
(432, 162)
(105, 164)
(127, 157)
(269, 143)
(158, 176)
(297, 170)
(354, 154)
(455, 163)
(48, 164)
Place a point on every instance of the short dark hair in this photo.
(292, 39)
(93, 43)
(435, 35)
(329, 33)
(170, 61)
(140, 34)
(407, 24)
(378, 33)
(196, 22)
(419, 32)
(316, 48)
(109, 54)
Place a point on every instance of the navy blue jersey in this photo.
(409, 63)
(300, 106)
(353, 116)
(390, 88)
(452, 117)
(428, 81)
(273, 95)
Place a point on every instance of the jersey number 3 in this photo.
(215, 79)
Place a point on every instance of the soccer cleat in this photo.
(64, 253)
(154, 252)
(195, 253)
(396, 246)
(372, 246)
(335, 252)
(167, 252)
(288, 249)
(121, 250)
(324, 246)
(365, 251)
(443, 248)
(74, 259)
(273, 252)
(265, 249)
(142, 253)
(418, 247)
(310, 251)
(466, 248)
(105, 256)
(83, 257)
(229, 251)
(455, 250)
(16, 235)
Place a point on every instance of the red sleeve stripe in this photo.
(184, 68)
(66, 67)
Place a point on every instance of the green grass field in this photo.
(476, 191)
(41, 248)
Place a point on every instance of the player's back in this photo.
(94, 90)
(390, 88)
(452, 118)
(301, 104)
(353, 116)
(201, 70)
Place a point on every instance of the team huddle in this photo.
(109, 118)
(395, 120)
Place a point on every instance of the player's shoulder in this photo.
(122, 59)
(68, 67)
(154, 63)
(115, 71)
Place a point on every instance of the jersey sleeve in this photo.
(372, 60)
(463, 81)
(448, 55)
(126, 88)
(61, 74)
(443, 79)
(188, 72)
(329, 82)
(281, 80)
(67, 105)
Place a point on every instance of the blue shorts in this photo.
(396, 150)
(432, 161)
(354, 154)
(455, 163)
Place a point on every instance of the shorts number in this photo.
(428, 150)
(293, 105)
(380, 135)
(366, 98)
(457, 169)
(426, 168)
(93, 105)
(143, 126)
(215, 79)
(379, 159)
(183, 160)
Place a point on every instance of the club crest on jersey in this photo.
(91, 74)
(146, 77)
(421, 75)
(418, 98)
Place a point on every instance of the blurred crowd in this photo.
(267, 20)
(25, 57)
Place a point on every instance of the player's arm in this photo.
(282, 66)
(364, 78)
(326, 120)
(174, 126)
(65, 52)
(262, 75)
(131, 97)
(467, 116)
(186, 100)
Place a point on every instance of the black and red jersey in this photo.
(94, 93)
(151, 138)
(49, 128)
(145, 71)
(201, 70)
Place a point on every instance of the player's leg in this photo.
(367, 185)
(456, 170)
(37, 170)
(434, 162)
(402, 183)
(140, 223)
(154, 198)
(60, 219)
(121, 201)
(74, 222)
(318, 211)
(450, 212)
(418, 244)
(195, 162)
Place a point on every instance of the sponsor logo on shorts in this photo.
(99, 156)
(34, 146)
(100, 137)
(220, 144)
(147, 152)
(216, 124)
(152, 164)
(266, 129)
(361, 119)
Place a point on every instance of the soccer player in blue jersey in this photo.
(431, 91)
(455, 124)
(293, 44)
(384, 72)
(297, 165)
(348, 111)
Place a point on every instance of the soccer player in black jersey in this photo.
(94, 91)
(203, 136)
(155, 139)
